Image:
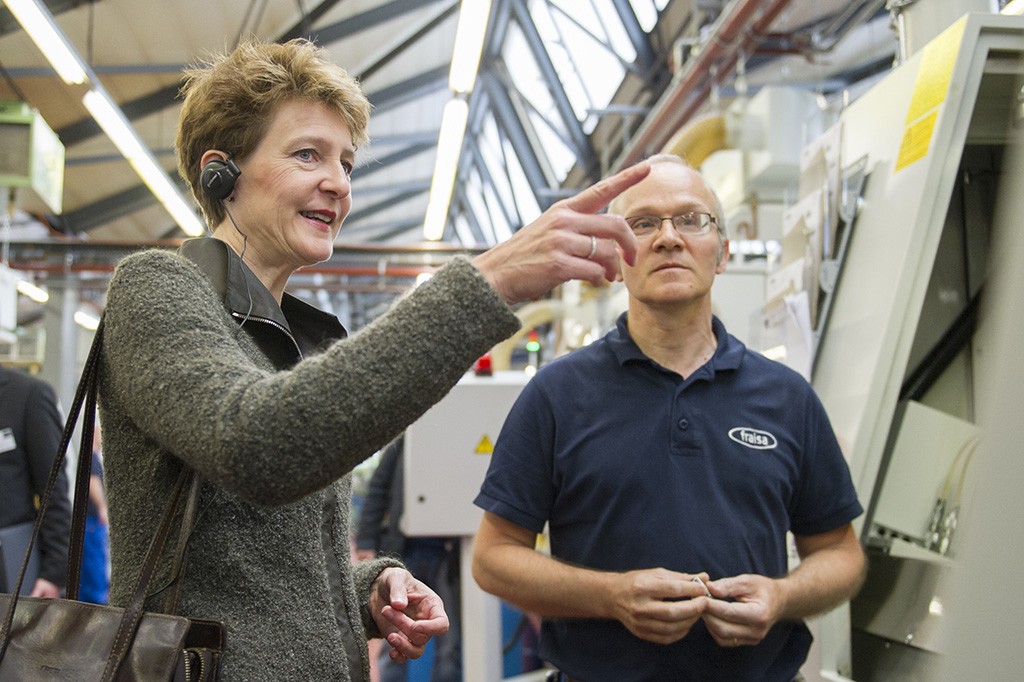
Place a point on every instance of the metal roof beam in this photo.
(488, 181)
(467, 211)
(163, 98)
(415, 36)
(302, 27)
(8, 24)
(395, 157)
(138, 197)
(106, 209)
(508, 121)
(366, 20)
(417, 185)
(645, 55)
(411, 88)
(384, 204)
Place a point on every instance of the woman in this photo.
(207, 363)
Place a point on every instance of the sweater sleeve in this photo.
(363, 575)
(176, 366)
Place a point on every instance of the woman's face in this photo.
(294, 190)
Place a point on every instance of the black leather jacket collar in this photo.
(286, 332)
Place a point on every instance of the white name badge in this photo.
(7, 442)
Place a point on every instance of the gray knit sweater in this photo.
(274, 447)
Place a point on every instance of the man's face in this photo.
(672, 268)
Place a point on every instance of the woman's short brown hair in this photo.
(230, 100)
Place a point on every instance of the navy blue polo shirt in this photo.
(635, 467)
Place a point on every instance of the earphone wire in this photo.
(241, 256)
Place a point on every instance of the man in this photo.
(664, 453)
(30, 433)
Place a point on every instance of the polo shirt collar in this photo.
(728, 355)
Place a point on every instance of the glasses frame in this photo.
(702, 220)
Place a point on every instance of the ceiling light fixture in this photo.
(469, 45)
(449, 148)
(44, 31)
(37, 294)
(86, 320)
(109, 116)
(40, 26)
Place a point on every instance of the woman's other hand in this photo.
(407, 613)
(570, 240)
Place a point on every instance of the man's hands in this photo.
(407, 613)
(557, 246)
(754, 609)
(660, 605)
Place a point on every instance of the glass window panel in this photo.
(499, 225)
(463, 232)
(525, 73)
(614, 31)
(489, 144)
(559, 155)
(475, 197)
(526, 203)
(647, 12)
(601, 74)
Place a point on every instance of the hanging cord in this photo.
(14, 86)
(245, 243)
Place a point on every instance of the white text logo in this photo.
(753, 438)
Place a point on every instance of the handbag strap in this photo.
(76, 540)
(134, 611)
(86, 392)
(86, 384)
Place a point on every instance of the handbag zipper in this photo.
(189, 654)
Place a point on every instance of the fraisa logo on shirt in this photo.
(753, 438)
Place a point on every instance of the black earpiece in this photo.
(218, 178)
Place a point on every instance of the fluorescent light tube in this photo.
(87, 320)
(449, 148)
(32, 291)
(117, 128)
(40, 27)
(469, 43)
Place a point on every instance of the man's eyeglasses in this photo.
(685, 224)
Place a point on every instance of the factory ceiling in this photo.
(567, 91)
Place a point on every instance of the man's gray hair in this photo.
(723, 233)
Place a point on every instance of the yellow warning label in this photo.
(916, 139)
(937, 61)
(485, 447)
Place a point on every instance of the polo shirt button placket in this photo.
(684, 424)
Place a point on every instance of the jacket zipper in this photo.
(272, 323)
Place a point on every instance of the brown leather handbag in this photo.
(60, 640)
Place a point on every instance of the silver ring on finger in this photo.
(593, 247)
